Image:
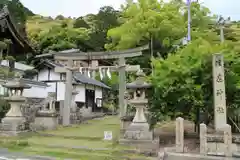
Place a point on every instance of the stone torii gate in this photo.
(94, 57)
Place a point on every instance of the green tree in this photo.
(100, 23)
(183, 81)
(147, 18)
(60, 17)
(61, 38)
(80, 23)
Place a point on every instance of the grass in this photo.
(94, 128)
(84, 141)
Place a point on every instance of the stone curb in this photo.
(170, 154)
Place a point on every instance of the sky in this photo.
(77, 8)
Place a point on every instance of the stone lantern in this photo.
(73, 108)
(14, 119)
(73, 103)
(139, 128)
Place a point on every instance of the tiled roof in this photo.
(86, 80)
(28, 82)
(6, 19)
(78, 77)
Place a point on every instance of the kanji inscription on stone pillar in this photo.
(220, 110)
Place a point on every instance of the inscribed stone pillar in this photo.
(68, 94)
(179, 135)
(220, 112)
(122, 86)
(203, 139)
(228, 140)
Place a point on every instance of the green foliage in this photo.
(3, 45)
(105, 19)
(60, 17)
(4, 107)
(60, 38)
(80, 23)
(145, 18)
(183, 82)
(10, 58)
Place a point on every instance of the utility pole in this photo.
(221, 23)
(151, 49)
(189, 20)
(221, 33)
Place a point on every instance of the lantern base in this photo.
(138, 131)
(13, 124)
(150, 147)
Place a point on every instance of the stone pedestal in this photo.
(14, 121)
(139, 128)
(125, 123)
(46, 120)
(137, 133)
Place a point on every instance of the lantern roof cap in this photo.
(17, 83)
(140, 82)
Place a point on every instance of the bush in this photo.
(4, 107)
(183, 82)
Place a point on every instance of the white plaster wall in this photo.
(80, 97)
(35, 92)
(43, 75)
(98, 93)
(1, 90)
(54, 75)
(60, 91)
(51, 87)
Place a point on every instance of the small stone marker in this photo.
(220, 113)
(179, 135)
(203, 139)
(108, 135)
(228, 140)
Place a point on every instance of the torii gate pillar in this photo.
(68, 94)
(122, 86)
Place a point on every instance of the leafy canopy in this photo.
(147, 17)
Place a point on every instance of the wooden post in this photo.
(68, 94)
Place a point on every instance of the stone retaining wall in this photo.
(219, 144)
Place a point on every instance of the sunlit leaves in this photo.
(59, 38)
(144, 18)
(183, 81)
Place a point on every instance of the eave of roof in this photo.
(5, 16)
(27, 81)
(86, 80)
(77, 77)
(48, 63)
